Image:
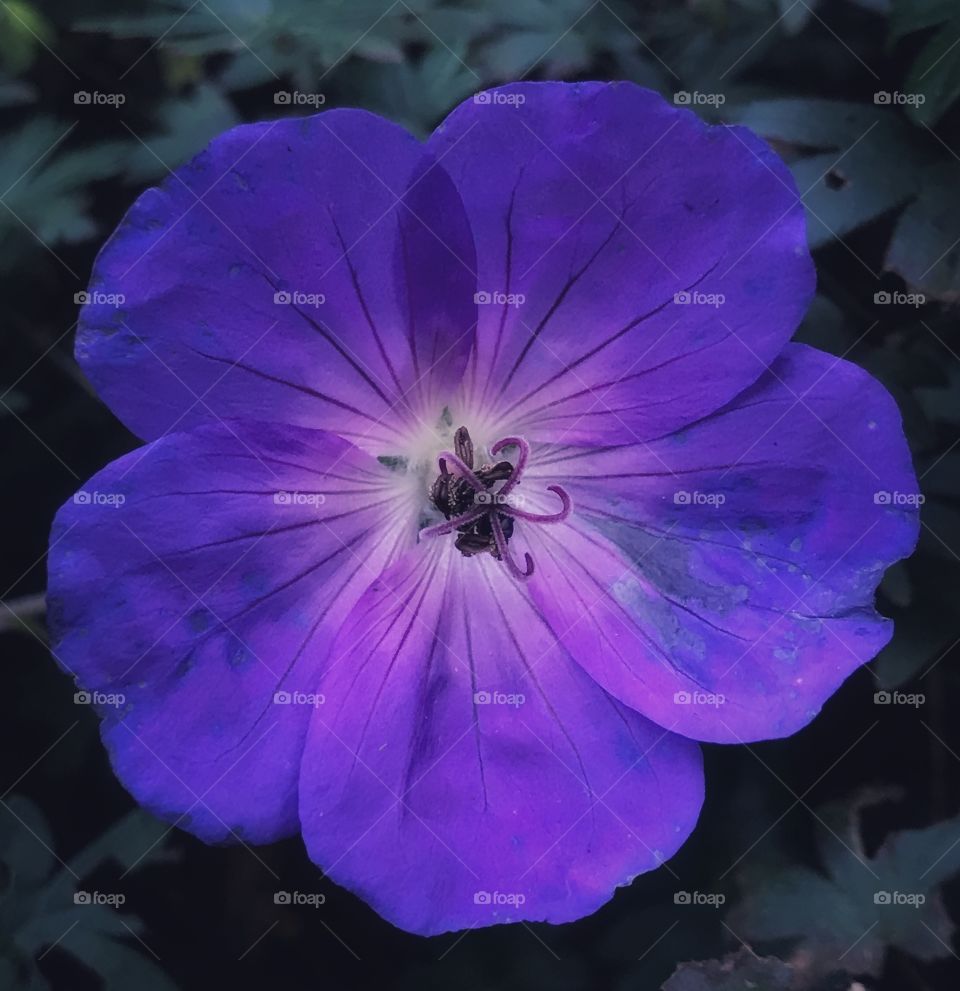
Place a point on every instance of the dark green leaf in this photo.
(187, 126)
(933, 82)
(908, 16)
(740, 971)
(925, 247)
(856, 907)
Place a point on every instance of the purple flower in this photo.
(481, 481)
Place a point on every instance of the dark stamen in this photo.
(482, 517)
(463, 445)
(503, 552)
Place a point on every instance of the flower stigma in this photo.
(483, 517)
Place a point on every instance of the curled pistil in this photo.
(483, 517)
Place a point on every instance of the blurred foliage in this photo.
(99, 98)
(46, 907)
(736, 972)
(852, 906)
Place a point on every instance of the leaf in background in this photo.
(515, 53)
(896, 586)
(907, 16)
(14, 92)
(133, 840)
(856, 907)
(417, 95)
(794, 16)
(925, 246)
(921, 635)
(46, 189)
(186, 127)
(39, 910)
(740, 971)
(270, 41)
(936, 75)
(22, 31)
(187, 21)
(825, 327)
(553, 38)
(121, 967)
(871, 167)
(939, 402)
(25, 842)
(813, 124)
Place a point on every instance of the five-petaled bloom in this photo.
(481, 481)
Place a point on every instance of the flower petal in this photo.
(730, 568)
(195, 578)
(465, 772)
(317, 271)
(592, 206)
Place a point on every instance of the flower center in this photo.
(484, 517)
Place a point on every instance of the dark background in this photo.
(799, 835)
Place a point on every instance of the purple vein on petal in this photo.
(572, 280)
(363, 303)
